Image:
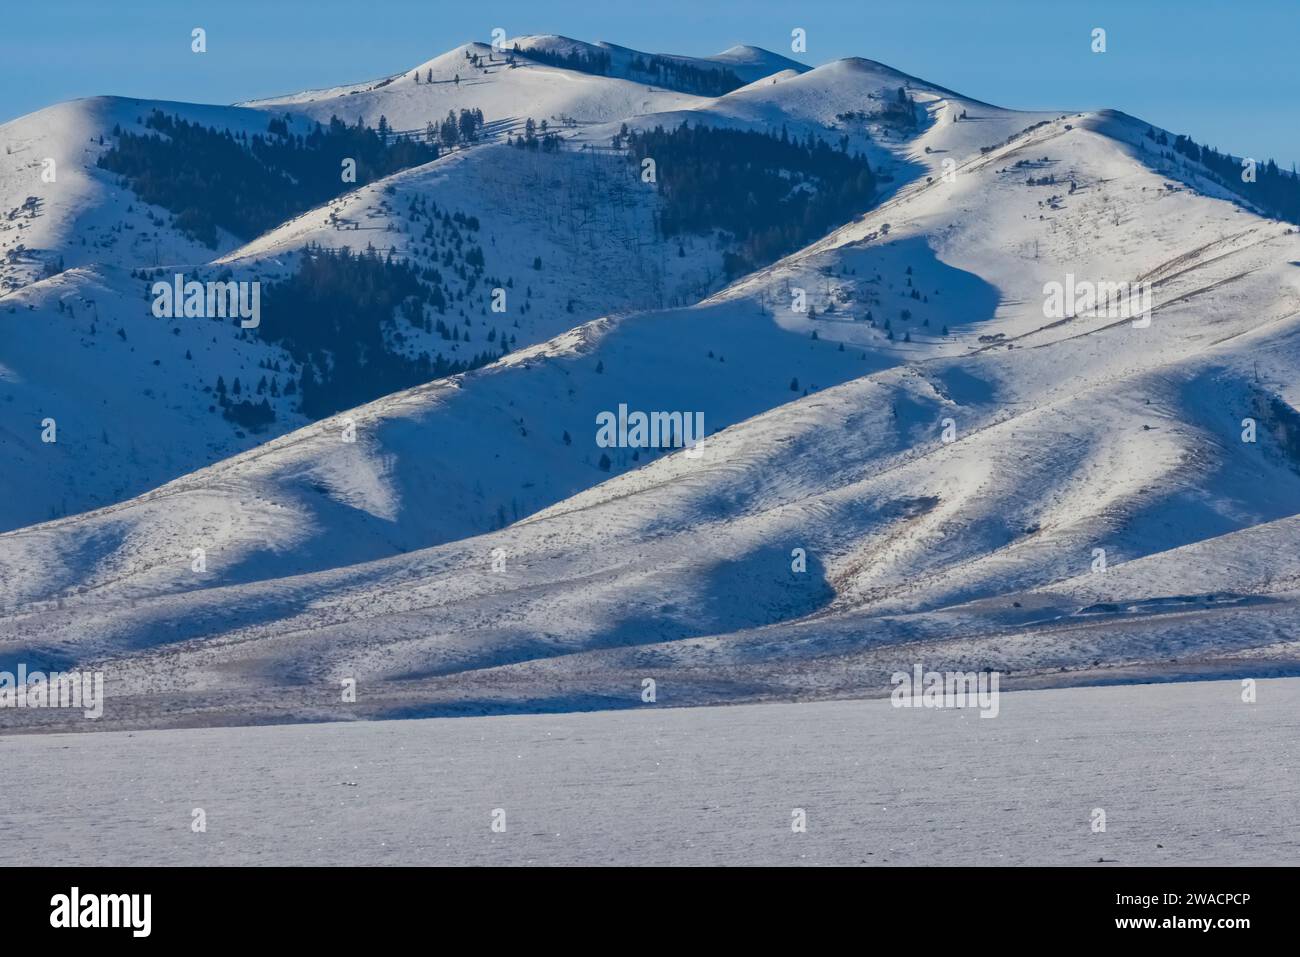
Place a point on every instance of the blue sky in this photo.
(1226, 73)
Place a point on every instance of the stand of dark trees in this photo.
(1275, 190)
(254, 416)
(211, 178)
(548, 140)
(331, 316)
(772, 194)
(596, 61)
(676, 75)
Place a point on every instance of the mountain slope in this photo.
(549, 230)
(507, 93)
(1070, 435)
(910, 454)
(83, 216)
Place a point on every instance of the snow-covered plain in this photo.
(1187, 774)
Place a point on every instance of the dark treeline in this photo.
(1276, 191)
(336, 317)
(897, 111)
(248, 413)
(211, 178)
(675, 74)
(704, 81)
(537, 136)
(452, 131)
(773, 194)
(595, 61)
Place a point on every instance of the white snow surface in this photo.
(1187, 774)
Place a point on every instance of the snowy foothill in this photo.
(910, 452)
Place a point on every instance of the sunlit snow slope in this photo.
(922, 466)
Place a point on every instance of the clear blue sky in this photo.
(1227, 73)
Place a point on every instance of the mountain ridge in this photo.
(372, 558)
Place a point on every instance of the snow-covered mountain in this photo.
(59, 209)
(907, 457)
(560, 224)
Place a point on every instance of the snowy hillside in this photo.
(508, 89)
(58, 209)
(909, 456)
(859, 99)
(747, 63)
(549, 229)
